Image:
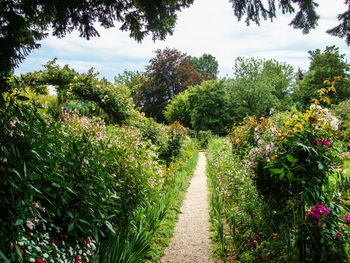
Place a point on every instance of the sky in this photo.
(205, 27)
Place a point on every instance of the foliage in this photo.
(113, 99)
(306, 16)
(342, 111)
(209, 106)
(326, 65)
(295, 166)
(25, 23)
(95, 176)
(179, 109)
(168, 74)
(259, 85)
(203, 138)
(206, 65)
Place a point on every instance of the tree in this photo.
(25, 22)
(201, 107)
(179, 109)
(168, 74)
(206, 65)
(323, 66)
(259, 85)
(209, 105)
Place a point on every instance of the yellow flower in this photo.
(275, 236)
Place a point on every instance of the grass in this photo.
(174, 196)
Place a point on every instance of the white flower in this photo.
(30, 225)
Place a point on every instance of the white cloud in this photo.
(206, 27)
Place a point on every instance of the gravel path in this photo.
(191, 243)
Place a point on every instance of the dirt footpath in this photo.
(191, 243)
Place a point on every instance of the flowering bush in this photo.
(294, 164)
(326, 235)
(76, 175)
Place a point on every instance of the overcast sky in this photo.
(206, 27)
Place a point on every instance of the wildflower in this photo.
(109, 145)
(345, 154)
(275, 236)
(271, 111)
(338, 235)
(347, 218)
(4, 160)
(30, 225)
(21, 134)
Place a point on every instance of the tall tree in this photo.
(259, 85)
(324, 66)
(25, 22)
(168, 74)
(209, 105)
(207, 65)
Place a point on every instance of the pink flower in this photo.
(36, 205)
(109, 145)
(30, 225)
(21, 134)
(338, 235)
(4, 160)
(347, 218)
(43, 209)
(237, 140)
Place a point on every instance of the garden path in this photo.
(191, 243)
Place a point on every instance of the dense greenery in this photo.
(323, 66)
(206, 65)
(279, 182)
(76, 178)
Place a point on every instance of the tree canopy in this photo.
(324, 66)
(259, 85)
(206, 65)
(25, 22)
(168, 74)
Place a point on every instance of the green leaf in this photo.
(70, 227)
(276, 170)
(25, 169)
(282, 175)
(70, 214)
(291, 158)
(110, 227)
(19, 222)
(320, 165)
(56, 185)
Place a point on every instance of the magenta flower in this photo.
(338, 235)
(324, 142)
